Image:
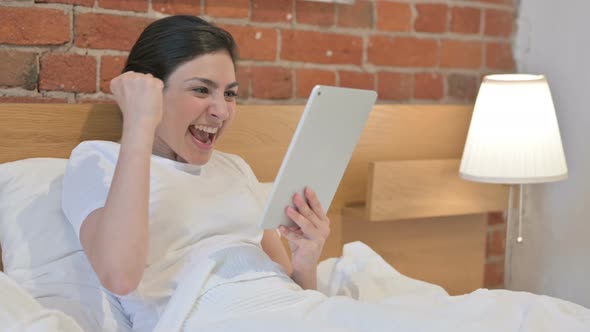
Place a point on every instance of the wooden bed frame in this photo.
(438, 247)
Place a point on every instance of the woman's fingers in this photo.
(309, 217)
(314, 202)
(304, 224)
(324, 223)
(304, 209)
(290, 235)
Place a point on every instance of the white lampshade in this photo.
(513, 137)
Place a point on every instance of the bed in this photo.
(393, 133)
(396, 138)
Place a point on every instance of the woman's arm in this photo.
(273, 247)
(306, 240)
(115, 238)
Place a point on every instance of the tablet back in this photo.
(320, 149)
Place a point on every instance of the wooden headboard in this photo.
(260, 134)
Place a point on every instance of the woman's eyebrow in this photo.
(212, 83)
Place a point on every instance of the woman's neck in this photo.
(162, 149)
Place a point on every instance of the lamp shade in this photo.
(514, 136)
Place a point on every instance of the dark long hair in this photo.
(169, 42)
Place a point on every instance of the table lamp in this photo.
(514, 137)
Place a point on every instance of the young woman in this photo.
(163, 198)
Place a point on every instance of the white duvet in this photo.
(359, 292)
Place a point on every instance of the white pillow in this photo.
(40, 250)
(20, 312)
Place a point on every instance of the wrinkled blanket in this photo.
(361, 292)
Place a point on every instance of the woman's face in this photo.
(199, 103)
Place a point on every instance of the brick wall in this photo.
(410, 51)
(495, 249)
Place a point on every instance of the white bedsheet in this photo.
(384, 300)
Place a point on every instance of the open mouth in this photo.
(204, 134)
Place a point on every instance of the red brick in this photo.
(496, 243)
(394, 86)
(271, 83)
(272, 10)
(189, 7)
(358, 15)
(428, 86)
(110, 67)
(461, 54)
(498, 23)
(466, 20)
(244, 77)
(33, 100)
(402, 51)
(19, 69)
(256, 43)
(496, 218)
(316, 13)
(463, 87)
(87, 3)
(308, 78)
(357, 80)
(499, 56)
(104, 31)
(431, 18)
(68, 72)
(318, 47)
(34, 26)
(129, 5)
(227, 8)
(494, 274)
(394, 16)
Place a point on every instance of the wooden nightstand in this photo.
(426, 221)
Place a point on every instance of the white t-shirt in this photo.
(193, 210)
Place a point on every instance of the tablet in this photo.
(320, 149)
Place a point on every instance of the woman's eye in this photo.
(230, 95)
(201, 90)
